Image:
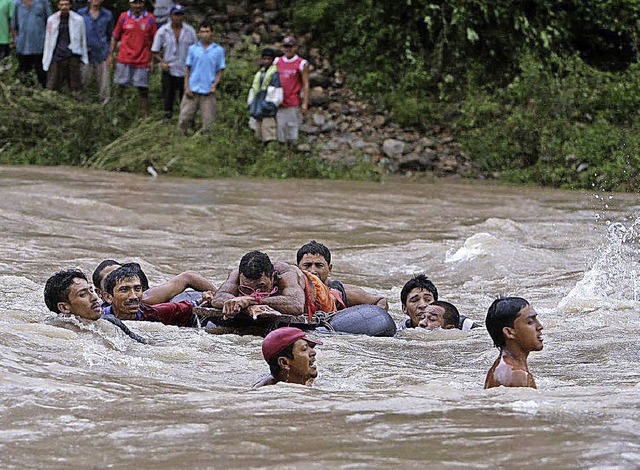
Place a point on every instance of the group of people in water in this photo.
(259, 287)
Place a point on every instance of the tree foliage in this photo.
(543, 91)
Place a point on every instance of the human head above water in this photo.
(315, 258)
(255, 273)
(503, 313)
(441, 314)
(101, 271)
(314, 248)
(419, 281)
(290, 354)
(69, 292)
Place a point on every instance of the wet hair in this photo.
(95, 277)
(143, 277)
(120, 274)
(254, 264)
(274, 367)
(451, 315)
(503, 312)
(314, 248)
(419, 281)
(58, 286)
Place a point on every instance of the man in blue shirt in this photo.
(30, 24)
(205, 64)
(99, 27)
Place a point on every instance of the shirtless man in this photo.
(315, 258)
(291, 357)
(515, 329)
(157, 294)
(68, 292)
(281, 286)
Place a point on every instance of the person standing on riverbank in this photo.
(65, 48)
(515, 329)
(99, 26)
(7, 9)
(174, 40)
(294, 76)
(265, 96)
(134, 34)
(30, 25)
(204, 67)
(291, 357)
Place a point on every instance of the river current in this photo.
(75, 395)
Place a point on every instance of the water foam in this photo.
(612, 282)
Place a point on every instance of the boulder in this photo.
(393, 148)
(319, 96)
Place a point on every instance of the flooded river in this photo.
(86, 396)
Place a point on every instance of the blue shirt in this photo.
(98, 33)
(31, 24)
(204, 65)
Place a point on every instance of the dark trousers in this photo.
(26, 63)
(4, 51)
(68, 71)
(171, 85)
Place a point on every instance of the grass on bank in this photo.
(48, 128)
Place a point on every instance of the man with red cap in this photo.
(291, 357)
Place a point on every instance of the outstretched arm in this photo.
(167, 290)
(358, 296)
(228, 290)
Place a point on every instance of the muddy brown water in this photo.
(84, 396)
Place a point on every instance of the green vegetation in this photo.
(541, 92)
(46, 128)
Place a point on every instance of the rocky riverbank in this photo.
(338, 124)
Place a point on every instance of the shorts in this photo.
(127, 75)
(266, 129)
(288, 123)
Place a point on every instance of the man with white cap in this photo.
(291, 357)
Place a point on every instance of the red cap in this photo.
(279, 339)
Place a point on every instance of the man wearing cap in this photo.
(265, 96)
(162, 10)
(204, 66)
(294, 76)
(134, 33)
(291, 357)
(173, 39)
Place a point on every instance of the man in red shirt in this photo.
(134, 31)
(294, 77)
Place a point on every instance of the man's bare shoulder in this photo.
(282, 267)
(508, 373)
